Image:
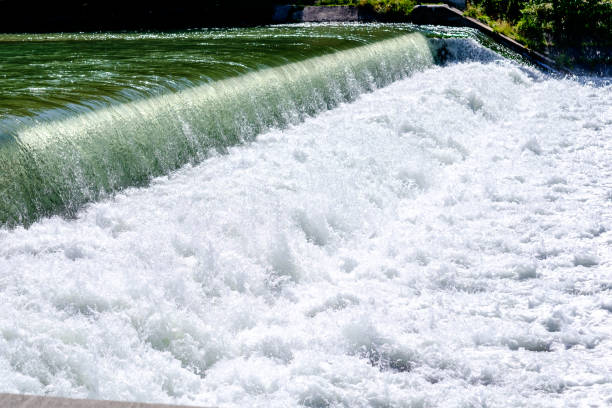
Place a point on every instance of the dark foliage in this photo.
(562, 22)
(97, 15)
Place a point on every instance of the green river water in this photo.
(74, 72)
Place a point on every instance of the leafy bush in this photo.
(538, 21)
(535, 22)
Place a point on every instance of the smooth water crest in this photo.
(308, 215)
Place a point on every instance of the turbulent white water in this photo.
(444, 241)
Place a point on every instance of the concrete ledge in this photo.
(32, 401)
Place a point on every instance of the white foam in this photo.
(408, 249)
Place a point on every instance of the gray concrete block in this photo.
(335, 13)
(33, 401)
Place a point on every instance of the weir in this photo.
(324, 263)
(55, 167)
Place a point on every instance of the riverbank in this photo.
(565, 49)
(426, 14)
(576, 35)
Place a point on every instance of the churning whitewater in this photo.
(440, 242)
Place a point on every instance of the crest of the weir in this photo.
(54, 167)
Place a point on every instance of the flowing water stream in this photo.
(315, 215)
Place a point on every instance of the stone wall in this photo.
(323, 14)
